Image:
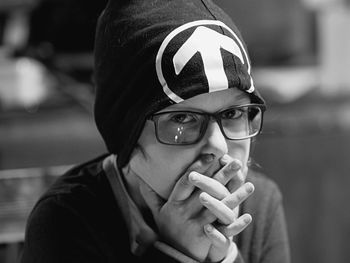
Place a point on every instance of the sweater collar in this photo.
(141, 235)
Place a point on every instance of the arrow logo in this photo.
(208, 43)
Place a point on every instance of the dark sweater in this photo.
(78, 220)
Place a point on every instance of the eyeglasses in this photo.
(188, 127)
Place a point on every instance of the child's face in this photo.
(161, 165)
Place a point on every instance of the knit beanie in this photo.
(150, 54)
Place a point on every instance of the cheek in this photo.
(157, 164)
(240, 150)
(163, 169)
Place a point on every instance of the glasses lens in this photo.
(179, 127)
(241, 122)
(183, 127)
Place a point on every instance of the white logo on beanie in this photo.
(208, 43)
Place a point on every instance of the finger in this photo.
(225, 159)
(209, 185)
(237, 197)
(216, 238)
(230, 253)
(236, 181)
(236, 212)
(183, 187)
(228, 172)
(152, 199)
(236, 227)
(226, 210)
(221, 211)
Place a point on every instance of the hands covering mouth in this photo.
(201, 215)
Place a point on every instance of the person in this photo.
(178, 110)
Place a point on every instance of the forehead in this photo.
(212, 102)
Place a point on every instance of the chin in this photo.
(164, 193)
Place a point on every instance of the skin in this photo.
(194, 191)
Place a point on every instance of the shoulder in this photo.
(83, 191)
(266, 190)
(80, 210)
(82, 176)
(81, 186)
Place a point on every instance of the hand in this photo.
(176, 219)
(181, 218)
(226, 212)
(228, 224)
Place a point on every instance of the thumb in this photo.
(152, 199)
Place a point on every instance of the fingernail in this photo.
(208, 158)
(203, 198)
(208, 228)
(249, 187)
(193, 176)
(225, 159)
(247, 219)
(235, 165)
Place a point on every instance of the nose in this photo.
(214, 142)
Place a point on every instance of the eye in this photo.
(183, 118)
(232, 114)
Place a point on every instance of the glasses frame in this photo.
(216, 116)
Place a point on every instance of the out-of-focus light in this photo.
(25, 83)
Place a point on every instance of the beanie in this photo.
(150, 54)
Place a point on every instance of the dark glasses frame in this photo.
(207, 116)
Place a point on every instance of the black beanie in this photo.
(150, 54)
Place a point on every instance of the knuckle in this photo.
(240, 196)
(227, 173)
(184, 181)
(235, 165)
(181, 209)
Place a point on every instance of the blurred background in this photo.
(300, 51)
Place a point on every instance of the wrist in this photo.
(174, 253)
(230, 257)
(231, 254)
